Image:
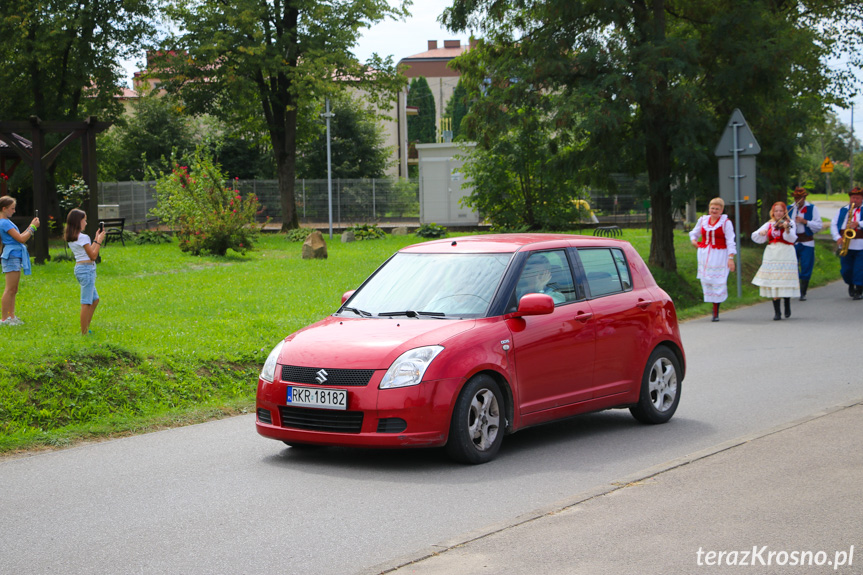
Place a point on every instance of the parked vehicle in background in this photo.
(459, 342)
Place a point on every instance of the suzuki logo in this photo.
(321, 376)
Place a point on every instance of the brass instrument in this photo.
(847, 234)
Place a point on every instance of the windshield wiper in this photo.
(412, 313)
(361, 312)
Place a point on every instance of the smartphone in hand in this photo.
(101, 226)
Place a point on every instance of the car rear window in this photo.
(606, 270)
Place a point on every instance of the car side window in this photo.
(622, 269)
(604, 275)
(548, 273)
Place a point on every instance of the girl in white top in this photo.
(713, 235)
(85, 253)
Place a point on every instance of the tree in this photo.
(520, 168)
(264, 65)
(356, 144)
(154, 132)
(421, 127)
(642, 87)
(457, 108)
(61, 60)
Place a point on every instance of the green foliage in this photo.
(208, 216)
(152, 237)
(298, 234)
(457, 108)
(431, 230)
(155, 131)
(357, 141)
(263, 67)
(649, 90)
(421, 128)
(54, 54)
(367, 232)
(73, 196)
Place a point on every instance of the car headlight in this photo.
(410, 367)
(268, 373)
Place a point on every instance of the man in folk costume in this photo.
(713, 235)
(808, 221)
(851, 264)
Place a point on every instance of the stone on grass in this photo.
(315, 247)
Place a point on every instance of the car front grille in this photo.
(340, 377)
(321, 419)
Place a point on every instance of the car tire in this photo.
(660, 387)
(478, 422)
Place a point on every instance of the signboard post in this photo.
(827, 169)
(737, 140)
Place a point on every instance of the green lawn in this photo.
(180, 339)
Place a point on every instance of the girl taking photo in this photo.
(85, 253)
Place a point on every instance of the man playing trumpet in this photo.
(845, 230)
(807, 223)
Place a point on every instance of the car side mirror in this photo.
(347, 295)
(534, 304)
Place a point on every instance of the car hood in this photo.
(363, 343)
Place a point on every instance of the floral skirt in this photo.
(778, 276)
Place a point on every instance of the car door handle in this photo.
(643, 304)
(583, 316)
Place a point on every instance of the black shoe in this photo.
(804, 287)
(777, 312)
(858, 294)
(716, 318)
(787, 307)
(851, 291)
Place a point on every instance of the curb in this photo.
(626, 481)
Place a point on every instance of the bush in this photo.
(152, 237)
(367, 232)
(431, 231)
(298, 235)
(208, 216)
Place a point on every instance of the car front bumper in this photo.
(415, 416)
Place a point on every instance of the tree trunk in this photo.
(285, 150)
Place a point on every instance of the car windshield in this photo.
(431, 285)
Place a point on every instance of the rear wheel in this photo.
(476, 429)
(660, 387)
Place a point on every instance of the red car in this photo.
(458, 342)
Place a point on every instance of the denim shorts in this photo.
(12, 264)
(86, 276)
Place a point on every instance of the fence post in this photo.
(374, 208)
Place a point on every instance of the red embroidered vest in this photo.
(713, 238)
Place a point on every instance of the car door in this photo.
(622, 318)
(553, 354)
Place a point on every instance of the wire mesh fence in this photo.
(353, 202)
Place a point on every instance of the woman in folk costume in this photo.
(777, 276)
(713, 235)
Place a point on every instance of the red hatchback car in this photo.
(458, 342)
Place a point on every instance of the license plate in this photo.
(318, 397)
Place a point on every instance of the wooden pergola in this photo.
(9, 160)
(40, 160)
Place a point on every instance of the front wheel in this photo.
(476, 429)
(660, 387)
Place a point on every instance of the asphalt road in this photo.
(217, 498)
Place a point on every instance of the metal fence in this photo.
(353, 201)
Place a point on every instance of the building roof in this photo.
(451, 49)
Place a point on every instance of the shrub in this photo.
(367, 232)
(152, 237)
(431, 231)
(298, 235)
(208, 216)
